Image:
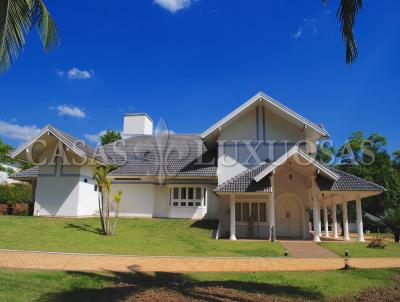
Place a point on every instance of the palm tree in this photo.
(104, 186)
(391, 220)
(17, 18)
(347, 12)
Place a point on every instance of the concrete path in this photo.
(82, 262)
(306, 249)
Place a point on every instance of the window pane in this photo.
(183, 204)
(238, 211)
(246, 212)
(183, 193)
(198, 203)
(254, 211)
(190, 193)
(190, 204)
(176, 203)
(263, 212)
(176, 193)
(198, 193)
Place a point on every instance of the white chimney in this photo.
(137, 123)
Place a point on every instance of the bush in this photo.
(11, 194)
(377, 243)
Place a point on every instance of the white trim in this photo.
(262, 97)
(295, 150)
(53, 131)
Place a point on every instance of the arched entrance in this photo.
(289, 220)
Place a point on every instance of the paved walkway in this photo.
(82, 262)
(306, 249)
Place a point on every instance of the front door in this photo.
(288, 217)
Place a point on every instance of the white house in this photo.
(252, 170)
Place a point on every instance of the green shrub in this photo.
(11, 194)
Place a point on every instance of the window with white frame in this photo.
(188, 196)
(251, 211)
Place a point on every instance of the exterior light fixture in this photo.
(286, 253)
(346, 264)
(346, 253)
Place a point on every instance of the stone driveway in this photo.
(83, 262)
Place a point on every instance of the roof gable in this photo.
(292, 152)
(262, 98)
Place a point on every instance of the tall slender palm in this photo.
(104, 185)
(17, 18)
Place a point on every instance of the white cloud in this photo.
(78, 74)
(18, 132)
(94, 138)
(173, 5)
(308, 25)
(60, 73)
(70, 111)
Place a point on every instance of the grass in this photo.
(16, 285)
(167, 237)
(360, 250)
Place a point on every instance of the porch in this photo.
(279, 199)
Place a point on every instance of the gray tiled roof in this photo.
(347, 182)
(87, 149)
(244, 182)
(162, 155)
(30, 173)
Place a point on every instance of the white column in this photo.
(272, 206)
(360, 231)
(334, 222)
(316, 213)
(326, 223)
(345, 221)
(233, 219)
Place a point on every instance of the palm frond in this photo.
(15, 22)
(347, 13)
(45, 24)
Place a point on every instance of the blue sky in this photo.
(192, 62)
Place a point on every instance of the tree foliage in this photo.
(110, 136)
(104, 185)
(17, 19)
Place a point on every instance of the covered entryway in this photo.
(289, 220)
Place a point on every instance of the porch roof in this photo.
(26, 175)
(245, 182)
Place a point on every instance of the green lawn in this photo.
(166, 237)
(16, 285)
(360, 250)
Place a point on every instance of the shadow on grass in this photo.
(84, 227)
(207, 224)
(173, 286)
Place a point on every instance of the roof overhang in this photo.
(262, 98)
(48, 130)
(296, 151)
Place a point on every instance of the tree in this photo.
(5, 158)
(110, 136)
(104, 186)
(396, 158)
(17, 18)
(391, 220)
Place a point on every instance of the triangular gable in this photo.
(259, 98)
(296, 151)
(66, 139)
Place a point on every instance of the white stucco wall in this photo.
(65, 191)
